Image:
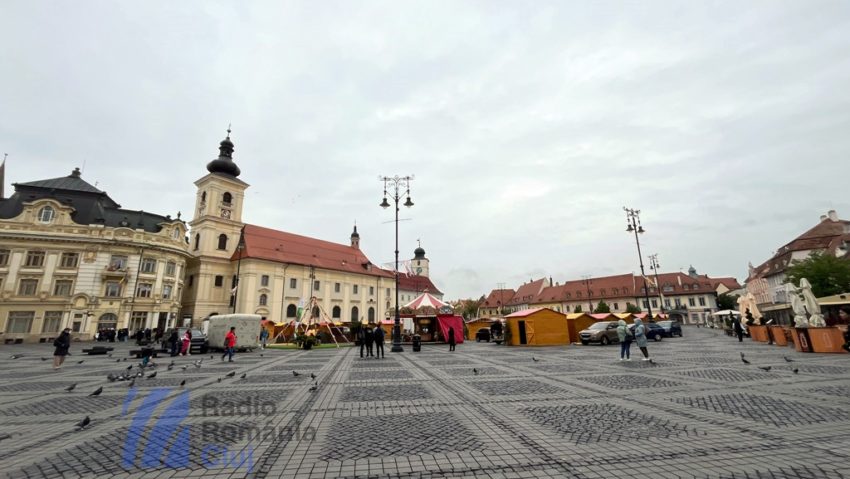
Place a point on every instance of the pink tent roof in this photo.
(425, 300)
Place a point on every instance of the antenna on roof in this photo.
(83, 170)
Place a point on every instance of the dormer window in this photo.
(46, 214)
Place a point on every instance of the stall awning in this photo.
(425, 300)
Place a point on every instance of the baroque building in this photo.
(70, 256)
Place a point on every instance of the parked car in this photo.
(653, 331)
(483, 334)
(671, 328)
(199, 344)
(603, 332)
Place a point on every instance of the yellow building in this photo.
(71, 257)
(276, 272)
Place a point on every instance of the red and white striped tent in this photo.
(425, 300)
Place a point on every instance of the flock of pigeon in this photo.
(768, 368)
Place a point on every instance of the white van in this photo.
(247, 330)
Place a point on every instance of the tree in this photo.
(827, 274)
(602, 307)
(727, 301)
(631, 308)
(577, 309)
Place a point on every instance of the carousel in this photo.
(311, 321)
(429, 318)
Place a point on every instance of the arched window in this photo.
(222, 241)
(203, 196)
(46, 214)
(197, 240)
(371, 315)
(107, 321)
(264, 300)
(227, 198)
(291, 311)
(355, 314)
(336, 312)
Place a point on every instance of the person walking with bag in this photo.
(625, 337)
(640, 338)
(229, 344)
(62, 345)
(187, 344)
(451, 339)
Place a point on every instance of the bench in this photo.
(139, 352)
(97, 350)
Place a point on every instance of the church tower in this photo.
(215, 232)
(355, 238)
(419, 264)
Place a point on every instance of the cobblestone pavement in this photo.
(576, 411)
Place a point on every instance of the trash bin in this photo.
(417, 343)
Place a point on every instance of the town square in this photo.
(424, 239)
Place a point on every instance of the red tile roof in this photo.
(411, 282)
(730, 283)
(283, 247)
(618, 286)
(527, 292)
(498, 297)
(679, 283)
(827, 235)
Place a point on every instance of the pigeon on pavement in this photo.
(314, 387)
(243, 376)
(475, 371)
(534, 359)
(787, 359)
(132, 382)
(84, 423)
(16, 356)
(44, 359)
(152, 375)
(312, 376)
(296, 373)
(97, 391)
(182, 383)
(795, 370)
(230, 374)
(81, 361)
(765, 368)
(71, 387)
(744, 360)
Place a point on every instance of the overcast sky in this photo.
(528, 125)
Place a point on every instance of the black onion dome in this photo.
(419, 253)
(224, 163)
(355, 234)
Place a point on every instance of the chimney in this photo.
(833, 216)
(823, 217)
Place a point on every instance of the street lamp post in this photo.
(587, 281)
(633, 225)
(653, 265)
(240, 246)
(399, 186)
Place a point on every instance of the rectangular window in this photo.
(645, 304)
(191, 280)
(166, 291)
(28, 287)
(113, 289)
(138, 320)
(20, 322)
(317, 285)
(691, 302)
(264, 280)
(678, 302)
(69, 260)
(52, 322)
(388, 292)
(654, 303)
(617, 306)
(62, 287)
(667, 302)
(117, 263)
(702, 301)
(293, 283)
(337, 287)
(148, 265)
(143, 290)
(371, 291)
(219, 281)
(356, 289)
(170, 268)
(4, 257)
(35, 259)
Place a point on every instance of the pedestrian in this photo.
(844, 314)
(739, 330)
(157, 335)
(264, 336)
(140, 335)
(146, 356)
(361, 338)
(62, 345)
(187, 342)
(148, 334)
(625, 337)
(379, 342)
(229, 344)
(640, 338)
(174, 341)
(370, 338)
(451, 339)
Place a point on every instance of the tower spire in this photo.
(224, 164)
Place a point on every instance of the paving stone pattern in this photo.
(576, 412)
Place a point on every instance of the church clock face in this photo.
(225, 213)
(418, 270)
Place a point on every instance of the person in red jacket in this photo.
(229, 344)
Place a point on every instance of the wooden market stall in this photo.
(576, 322)
(538, 327)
